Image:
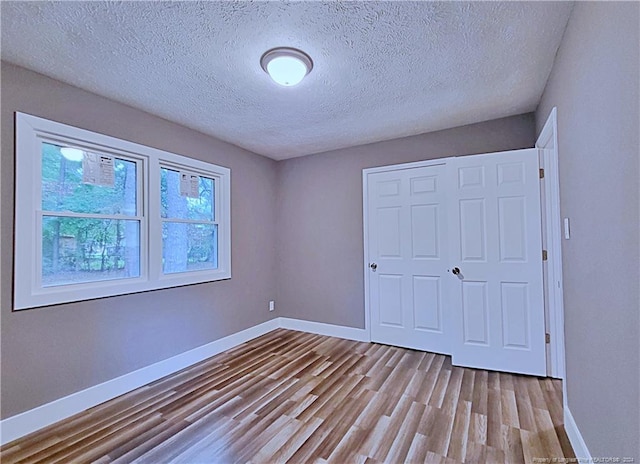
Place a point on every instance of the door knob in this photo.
(373, 266)
(455, 270)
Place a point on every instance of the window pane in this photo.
(176, 202)
(189, 247)
(76, 250)
(63, 187)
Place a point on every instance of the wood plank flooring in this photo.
(297, 397)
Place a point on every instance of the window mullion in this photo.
(154, 231)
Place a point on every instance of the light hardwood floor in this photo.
(298, 397)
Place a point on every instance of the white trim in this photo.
(402, 166)
(27, 422)
(47, 414)
(548, 142)
(571, 428)
(365, 264)
(320, 328)
(446, 161)
(575, 437)
(30, 421)
(29, 292)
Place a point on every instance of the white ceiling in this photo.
(381, 69)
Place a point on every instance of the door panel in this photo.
(475, 313)
(389, 232)
(424, 231)
(406, 230)
(496, 243)
(473, 230)
(390, 300)
(515, 314)
(513, 232)
(427, 184)
(427, 308)
(471, 176)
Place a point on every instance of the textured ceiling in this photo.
(381, 69)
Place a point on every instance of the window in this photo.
(189, 231)
(90, 232)
(97, 216)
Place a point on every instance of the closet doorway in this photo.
(453, 250)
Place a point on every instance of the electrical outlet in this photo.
(272, 305)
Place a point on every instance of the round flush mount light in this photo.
(72, 154)
(286, 66)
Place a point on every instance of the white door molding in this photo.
(552, 238)
(524, 351)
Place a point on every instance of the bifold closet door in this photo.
(408, 256)
(495, 278)
(455, 260)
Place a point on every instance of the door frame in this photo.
(547, 142)
(365, 219)
(552, 238)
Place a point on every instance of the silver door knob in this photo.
(373, 266)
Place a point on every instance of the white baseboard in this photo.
(575, 437)
(47, 414)
(27, 422)
(320, 328)
(22, 424)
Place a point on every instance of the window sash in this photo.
(181, 170)
(68, 180)
(40, 256)
(215, 242)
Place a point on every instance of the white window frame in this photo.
(156, 232)
(31, 131)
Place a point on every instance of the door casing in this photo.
(551, 234)
(552, 240)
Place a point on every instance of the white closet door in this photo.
(408, 257)
(496, 292)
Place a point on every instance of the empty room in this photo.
(308, 232)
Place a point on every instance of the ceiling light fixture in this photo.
(72, 154)
(286, 66)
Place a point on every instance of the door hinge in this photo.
(544, 255)
(547, 338)
(541, 173)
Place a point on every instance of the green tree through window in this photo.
(189, 234)
(97, 216)
(85, 233)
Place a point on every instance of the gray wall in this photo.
(594, 84)
(315, 203)
(320, 242)
(51, 352)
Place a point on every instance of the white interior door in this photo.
(408, 257)
(496, 251)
